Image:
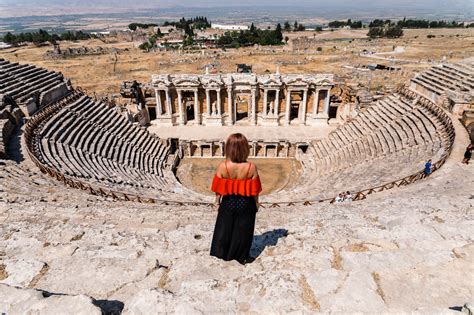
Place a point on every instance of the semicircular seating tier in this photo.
(31, 87)
(457, 80)
(87, 140)
(86, 143)
(387, 141)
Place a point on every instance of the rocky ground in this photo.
(408, 249)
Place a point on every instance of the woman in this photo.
(237, 186)
(467, 154)
(428, 168)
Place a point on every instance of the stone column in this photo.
(265, 101)
(159, 106)
(190, 147)
(180, 108)
(287, 109)
(326, 103)
(315, 102)
(305, 104)
(169, 108)
(208, 103)
(287, 149)
(253, 119)
(277, 103)
(196, 108)
(221, 144)
(219, 105)
(229, 106)
(277, 146)
(254, 147)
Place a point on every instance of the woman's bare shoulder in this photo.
(220, 170)
(253, 170)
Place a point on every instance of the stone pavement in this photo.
(290, 133)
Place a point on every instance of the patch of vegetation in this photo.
(389, 31)
(43, 36)
(197, 23)
(251, 37)
(134, 26)
(349, 22)
(414, 23)
(297, 27)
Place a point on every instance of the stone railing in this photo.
(44, 114)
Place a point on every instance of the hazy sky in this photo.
(466, 4)
(432, 9)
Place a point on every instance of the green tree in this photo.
(278, 34)
(393, 32)
(287, 26)
(375, 32)
(9, 38)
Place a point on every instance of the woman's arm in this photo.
(254, 172)
(218, 199)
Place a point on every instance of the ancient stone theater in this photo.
(105, 206)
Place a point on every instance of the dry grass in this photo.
(308, 295)
(77, 237)
(336, 262)
(379, 290)
(164, 279)
(360, 247)
(95, 73)
(38, 277)
(3, 272)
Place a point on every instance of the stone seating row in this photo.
(10, 118)
(360, 176)
(402, 127)
(117, 138)
(30, 86)
(87, 140)
(94, 138)
(454, 77)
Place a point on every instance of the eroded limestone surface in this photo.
(404, 250)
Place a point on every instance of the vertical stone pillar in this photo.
(254, 148)
(287, 149)
(208, 103)
(180, 108)
(229, 106)
(305, 104)
(219, 105)
(326, 103)
(277, 103)
(265, 102)
(159, 106)
(221, 144)
(287, 109)
(253, 118)
(212, 148)
(315, 102)
(277, 147)
(197, 117)
(190, 147)
(169, 108)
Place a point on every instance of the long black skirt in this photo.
(234, 228)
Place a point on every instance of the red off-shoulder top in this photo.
(234, 186)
